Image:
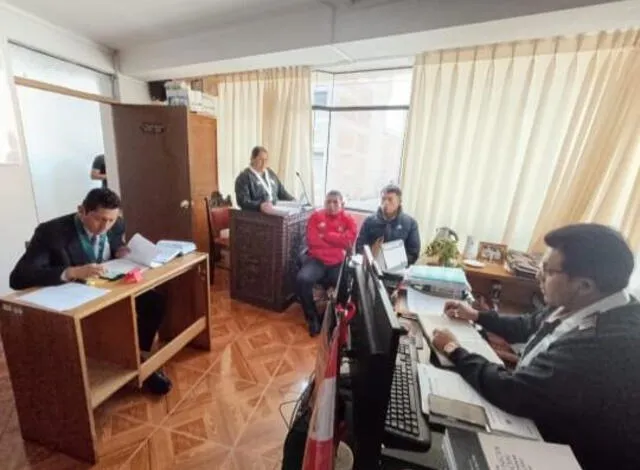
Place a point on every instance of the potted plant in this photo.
(444, 251)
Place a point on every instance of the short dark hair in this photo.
(103, 198)
(334, 193)
(392, 188)
(257, 150)
(595, 252)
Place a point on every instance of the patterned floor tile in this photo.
(218, 409)
(297, 362)
(239, 460)
(250, 359)
(267, 429)
(166, 449)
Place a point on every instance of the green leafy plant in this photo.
(445, 250)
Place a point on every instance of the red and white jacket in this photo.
(329, 236)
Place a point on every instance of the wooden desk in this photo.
(516, 291)
(64, 364)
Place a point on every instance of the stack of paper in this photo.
(465, 450)
(451, 386)
(144, 254)
(419, 303)
(64, 297)
(465, 332)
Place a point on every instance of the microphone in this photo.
(304, 190)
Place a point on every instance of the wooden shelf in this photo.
(105, 379)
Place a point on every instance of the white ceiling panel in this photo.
(117, 23)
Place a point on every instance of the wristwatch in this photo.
(450, 347)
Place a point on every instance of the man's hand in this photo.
(460, 311)
(122, 251)
(377, 246)
(267, 208)
(441, 338)
(82, 273)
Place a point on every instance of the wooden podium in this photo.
(264, 251)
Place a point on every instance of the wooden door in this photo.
(153, 165)
(204, 174)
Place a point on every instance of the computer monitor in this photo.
(374, 335)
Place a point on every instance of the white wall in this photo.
(131, 90)
(63, 135)
(17, 204)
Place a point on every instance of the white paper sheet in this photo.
(424, 304)
(394, 256)
(143, 251)
(510, 453)
(64, 297)
(121, 266)
(466, 334)
(451, 385)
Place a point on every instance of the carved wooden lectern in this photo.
(264, 253)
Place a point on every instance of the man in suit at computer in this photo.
(578, 375)
(258, 187)
(330, 233)
(73, 248)
(391, 223)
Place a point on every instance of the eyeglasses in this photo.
(547, 271)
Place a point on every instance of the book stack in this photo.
(468, 450)
(438, 280)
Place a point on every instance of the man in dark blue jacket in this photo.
(577, 377)
(389, 224)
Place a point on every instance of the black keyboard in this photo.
(405, 425)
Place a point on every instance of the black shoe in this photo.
(314, 327)
(158, 383)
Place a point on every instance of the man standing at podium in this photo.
(330, 232)
(73, 247)
(257, 187)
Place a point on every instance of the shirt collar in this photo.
(618, 299)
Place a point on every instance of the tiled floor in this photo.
(223, 412)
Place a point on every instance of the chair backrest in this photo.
(359, 217)
(218, 214)
(219, 217)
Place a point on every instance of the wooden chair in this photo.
(218, 215)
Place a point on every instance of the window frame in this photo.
(330, 109)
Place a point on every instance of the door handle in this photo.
(184, 204)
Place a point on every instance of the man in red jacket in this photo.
(330, 233)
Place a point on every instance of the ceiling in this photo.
(118, 23)
(161, 39)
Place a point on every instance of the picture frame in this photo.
(494, 253)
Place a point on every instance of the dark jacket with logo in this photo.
(250, 193)
(583, 391)
(54, 247)
(401, 227)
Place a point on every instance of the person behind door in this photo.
(73, 248)
(578, 375)
(99, 170)
(390, 223)
(257, 187)
(330, 233)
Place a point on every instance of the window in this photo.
(27, 63)
(358, 133)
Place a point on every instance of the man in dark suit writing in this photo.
(73, 248)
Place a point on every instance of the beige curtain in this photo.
(490, 127)
(598, 176)
(270, 108)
